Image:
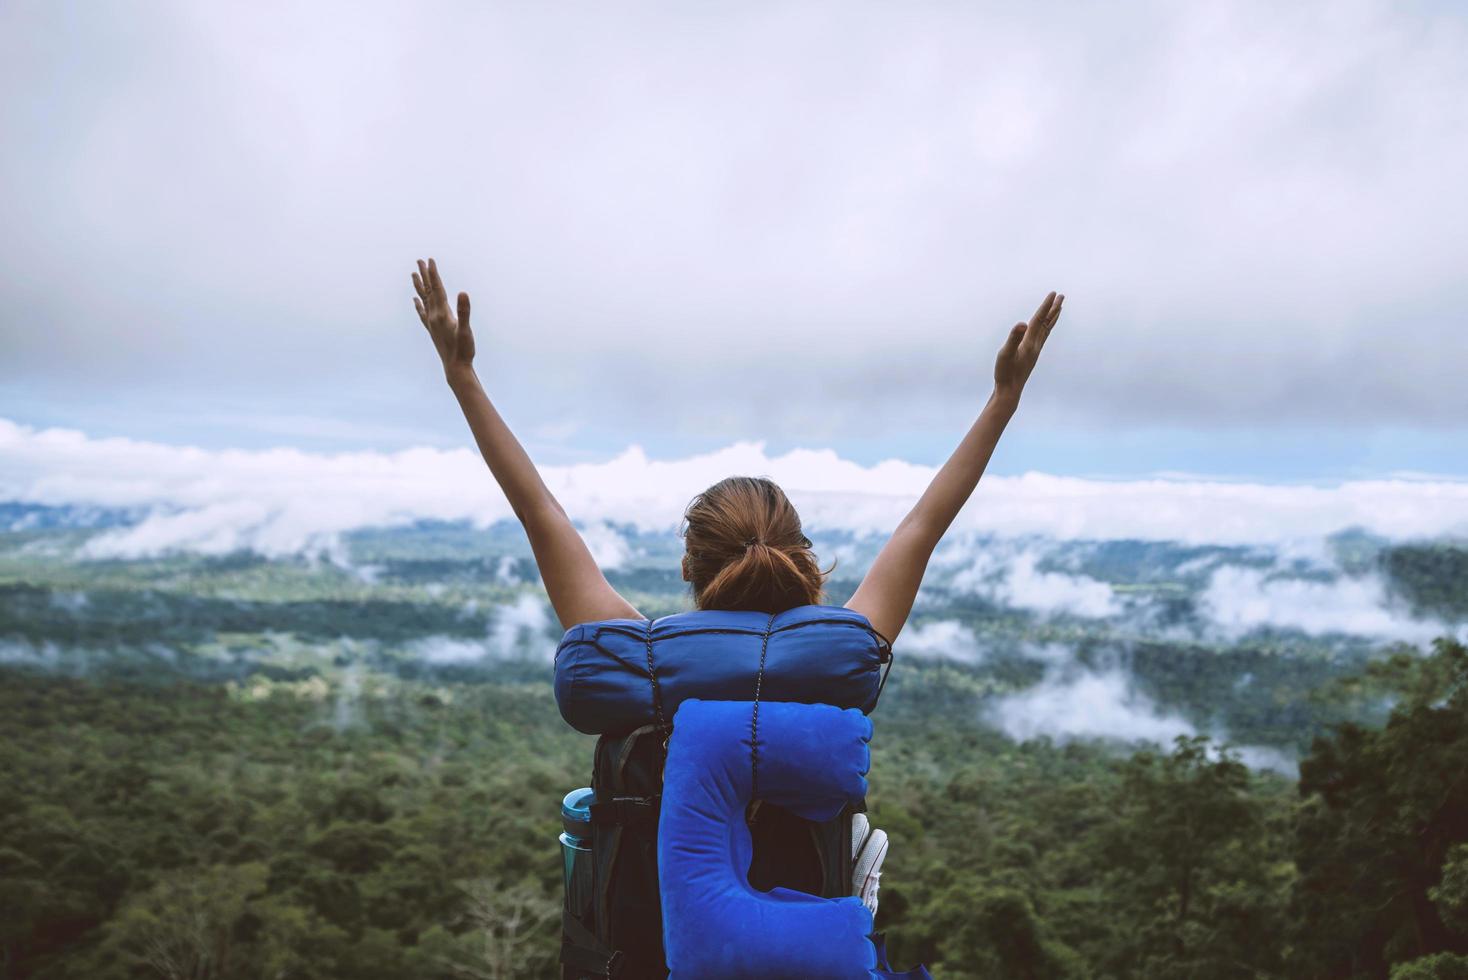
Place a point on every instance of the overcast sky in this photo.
(805, 224)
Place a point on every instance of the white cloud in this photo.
(607, 546)
(523, 625)
(521, 628)
(22, 651)
(1080, 703)
(946, 639)
(448, 650)
(1240, 599)
(854, 184)
(1008, 575)
(1053, 653)
(282, 501)
(504, 572)
(1267, 757)
(347, 710)
(73, 601)
(1074, 702)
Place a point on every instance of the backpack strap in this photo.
(625, 811)
(626, 918)
(583, 953)
(884, 656)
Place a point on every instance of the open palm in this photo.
(451, 336)
(1022, 347)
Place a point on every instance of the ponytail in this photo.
(746, 549)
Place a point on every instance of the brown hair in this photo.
(746, 549)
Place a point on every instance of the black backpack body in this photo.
(625, 938)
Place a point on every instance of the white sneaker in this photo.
(868, 851)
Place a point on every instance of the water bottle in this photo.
(576, 854)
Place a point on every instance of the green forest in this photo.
(200, 830)
(240, 768)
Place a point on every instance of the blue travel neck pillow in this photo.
(811, 759)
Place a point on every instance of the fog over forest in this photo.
(1061, 575)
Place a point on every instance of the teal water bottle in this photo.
(576, 854)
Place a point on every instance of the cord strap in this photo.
(759, 681)
(652, 675)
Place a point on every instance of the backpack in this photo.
(624, 938)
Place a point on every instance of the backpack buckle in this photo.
(627, 810)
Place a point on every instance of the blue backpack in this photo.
(625, 680)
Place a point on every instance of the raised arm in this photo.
(578, 590)
(887, 592)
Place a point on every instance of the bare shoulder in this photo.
(887, 626)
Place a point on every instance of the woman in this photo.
(744, 544)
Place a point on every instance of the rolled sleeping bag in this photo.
(616, 675)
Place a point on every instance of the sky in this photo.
(802, 226)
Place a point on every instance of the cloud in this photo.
(347, 710)
(945, 639)
(286, 502)
(1074, 702)
(523, 625)
(17, 650)
(1268, 757)
(283, 501)
(520, 629)
(504, 572)
(76, 659)
(448, 650)
(607, 546)
(700, 220)
(1008, 575)
(1079, 703)
(1238, 600)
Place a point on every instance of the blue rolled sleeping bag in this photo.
(615, 675)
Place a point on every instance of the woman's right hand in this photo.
(452, 337)
(1022, 348)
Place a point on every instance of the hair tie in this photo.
(749, 541)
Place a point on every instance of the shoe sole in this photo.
(869, 861)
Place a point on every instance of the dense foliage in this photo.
(276, 829)
(185, 830)
(229, 766)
